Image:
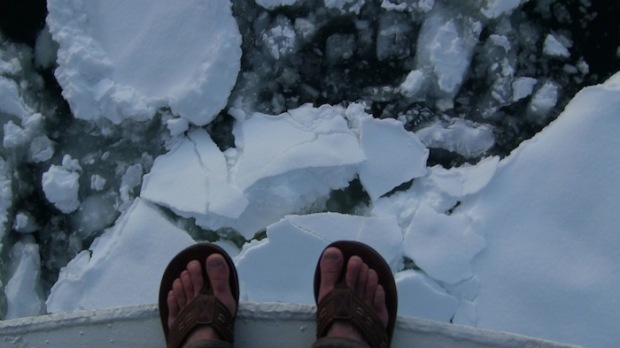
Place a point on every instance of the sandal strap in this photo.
(203, 310)
(343, 304)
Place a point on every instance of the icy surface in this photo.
(445, 47)
(23, 290)
(112, 66)
(61, 188)
(393, 156)
(551, 228)
(293, 246)
(136, 250)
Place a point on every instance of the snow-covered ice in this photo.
(123, 266)
(550, 228)
(113, 66)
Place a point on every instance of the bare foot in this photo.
(188, 285)
(361, 279)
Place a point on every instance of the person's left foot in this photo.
(188, 285)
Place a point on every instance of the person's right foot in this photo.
(359, 278)
(188, 285)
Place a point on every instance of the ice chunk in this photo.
(522, 87)
(441, 245)
(543, 101)
(465, 180)
(554, 48)
(413, 83)
(23, 290)
(61, 188)
(393, 156)
(41, 149)
(24, 222)
(202, 187)
(111, 56)
(280, 40)
(294, 170)
(123, 266)
(463, 137)
(420, 296)
(345, 6)
(551, 228)
(10, 99)
(444, 51)
(496, 8)
(293, 246)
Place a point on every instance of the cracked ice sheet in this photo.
(287, 163)
(441, 245)
(420, 296)
(111, 54)
(293, 246)
(551, 228)
(192, 180)
(440, 189)
(123, 266)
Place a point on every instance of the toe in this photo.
(379, 304)
(371, 286)
(195, 273)
(330, 266)
(362, 280)
(188, 286)
(354, 267)
(218, 272)
(179, 294)
(173, 308)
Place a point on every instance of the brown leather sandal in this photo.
(205, 309)
(343, 304)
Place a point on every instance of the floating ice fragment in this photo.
(24, 222)
(393, 156)
(23, 290)
(545, 98)
(120, 59)
(496, 8)
(444, 51)
(413, 83)
(10, 99)
(41, 149)
(463, 137)
(61, 188)
(522, 87)
(554, 48)
(345, 6)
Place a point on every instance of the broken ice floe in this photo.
(311, 152)
(123, 266)
(115, 67)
